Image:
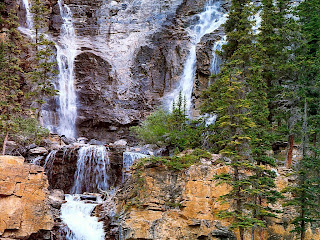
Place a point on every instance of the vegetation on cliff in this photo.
(267, 91)
(18, 118)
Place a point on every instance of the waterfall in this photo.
(76, 214)
(29, 20)
(209, 21)
(216, 59)
(66, 54)
(92, 169)
(48, 163)
(128, 160)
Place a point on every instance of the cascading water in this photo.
(48, 163)
(66, 54)
(128, 159)
(209, 21)
(76, 214)
(92, 169)
(216, 59)
(29, 20)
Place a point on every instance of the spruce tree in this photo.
(10, 90)
(45, 68)
(239, 97)
(306, 191)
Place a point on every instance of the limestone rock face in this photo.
(24, 205)
(171, 205)
(158, 203)
(130, 54)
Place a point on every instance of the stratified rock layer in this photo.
(24, 207)
(158, 203)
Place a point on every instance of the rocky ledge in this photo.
(24, 200)
(159, 203)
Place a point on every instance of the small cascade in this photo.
(29, 20)
(48, 163)
(209, 21)
(37, 160)
(216, 59)
(258, 20)
(76, 214)
(92, 169)
(128, 159)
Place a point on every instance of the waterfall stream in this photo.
(29, 20)
(66, 47)
(209, 21)
(91, 176)
(128, 159)
(92, 169)
(216, 59)
(66, 54)
(76, 214)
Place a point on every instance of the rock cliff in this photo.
(24, 205)
(130, 54)
(158, 203)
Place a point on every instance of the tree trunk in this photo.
(303, 177)
(5, 143)
(314, 140)
(238, 200)
(290, 150)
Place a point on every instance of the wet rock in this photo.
(120, 143)
(95, 142)
(82, 140)
(68, 140)
(56, 198)
(38, 151)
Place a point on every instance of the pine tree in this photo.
(45, 69)
(239, 97)
(10, 90)
(306, 191)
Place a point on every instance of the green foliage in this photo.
(45, 70)
(172, 130)
(239, 97)
(23, 130)
(176, 163)
(154, 129)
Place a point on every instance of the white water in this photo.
(29, 20)
(209, 21)
(66, 54)
(48, 163)
(128, 159)
(37, 160)
(92, 169)
(216, 59)
(76, 214)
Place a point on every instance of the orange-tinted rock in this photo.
(24, 204)
(184, 205)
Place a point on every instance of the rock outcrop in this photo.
(130, 54)
(61, 166)
(158, 203)
(24, 204)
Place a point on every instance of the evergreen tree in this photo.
(10, 90)
(306, 191)
(238, 96)
(45, 69)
